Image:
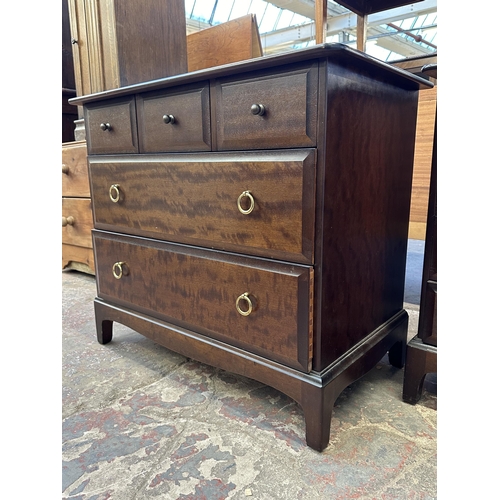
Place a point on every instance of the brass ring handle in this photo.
(114, 193)
(246, 194)
(65, 168)
(169, 118)
(105, 126)
(244, 297)
(258, 109)
(68, 221)
(119, 270)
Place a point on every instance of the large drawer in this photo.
(259, 203)
(111, 126)
(174, 120)
(259, 305)
(267, 110)
(77, 222)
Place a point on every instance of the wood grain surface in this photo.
(232, 41)
(198, 289)
(366, 174)
(80, 232)
(290, 101)
(193, 199)
(75, 175)
(190, 129)
(122, 136)
(424, 139)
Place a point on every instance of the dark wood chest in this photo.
(254, 217)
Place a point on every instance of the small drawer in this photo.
(261, 306)
(111, 127)
(77, 222)
(75, 176)
(174, 120)
(267, 111)
(228, 201)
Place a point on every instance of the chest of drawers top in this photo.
(272, 102)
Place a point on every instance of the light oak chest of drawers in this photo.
(254, 217)
(77, 220)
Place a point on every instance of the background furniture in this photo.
(118, 43)
(69, 112)
(424, 141)
(256, 230)
(109, 50)
(422, 350)
(77, 220)
(235, 40)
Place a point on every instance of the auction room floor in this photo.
(140, 421)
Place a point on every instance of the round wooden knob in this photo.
(68, 221)
(65, 169)
(169, 118)
(258, 109)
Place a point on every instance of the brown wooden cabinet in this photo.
(422, 350)
(255, 217)
(110, 48)
(77, 220)
(69, 113)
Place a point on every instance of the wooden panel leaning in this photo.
(235, 40)
(424, 139)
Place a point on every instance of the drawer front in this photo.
(203, 290)
(75, 176)
(202, 200)
(286, 107)
(174, 121)
(111, 127)
(77, 222)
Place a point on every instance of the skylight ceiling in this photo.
(408, 31)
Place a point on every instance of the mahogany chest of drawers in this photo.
(254, 216)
